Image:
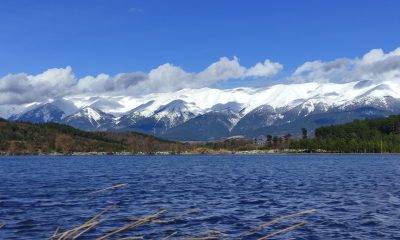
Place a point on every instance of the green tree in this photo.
(304, 133)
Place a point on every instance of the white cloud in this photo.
(226, 69)
(105, 83)
(21, 89)
(222, 70)
(168, 77)
(317, 71)
(56, 83)
(265, 69)
(374, 65)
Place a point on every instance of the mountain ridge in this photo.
(216, 113)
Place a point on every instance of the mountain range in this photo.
(212, 114)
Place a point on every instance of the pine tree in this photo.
(304, 133)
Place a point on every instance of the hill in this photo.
(359, 136)
(208, 114)
(29, 138)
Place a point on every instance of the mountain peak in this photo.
(91, 113)
(89, 118)
(243, 111)
(44, 113)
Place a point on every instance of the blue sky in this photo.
(114, 36)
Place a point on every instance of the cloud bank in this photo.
(374, 65)
(56, 83)
(20, 90)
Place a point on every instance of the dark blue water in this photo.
(356, 196)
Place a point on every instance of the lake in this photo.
(355, 196)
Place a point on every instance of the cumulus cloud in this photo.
(23, 89)
(56, 83)
(374, 65)
(105, 83)
(168, 77)
(267, 68)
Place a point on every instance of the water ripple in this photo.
(356, 196)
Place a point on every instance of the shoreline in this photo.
(253, 152)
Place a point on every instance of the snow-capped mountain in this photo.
(212, 125)
(159, 121)
(201, 114)
(44, 113)
(90, 119)
(176, 112)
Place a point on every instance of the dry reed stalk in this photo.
(169, 236)
(54, 233)
(294, 226)
(88, 224)
(77, 232)
(154, 221)
(255, 229)
(69, 234)
(101, 213)
(86, 230)
(111, 187)
(131, 238)
(210, 235)
(133, 225)
(187, 212)
(202, 238)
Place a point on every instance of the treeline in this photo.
(359, 136)
(278, 143)
(18, 138)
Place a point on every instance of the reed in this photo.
(131, 238)
(202, 238)
(77, 232)
(275, 220)
(70, 234)
(209, 235)
(55, 233)
(137, 223)
(294, 226)
(108, 188)
(86, 230)
(187, 212)
(169, 236)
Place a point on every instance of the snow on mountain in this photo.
(133, 116)
(285, 96)
(176, 112)
(65, 105)
(89, 118)
(160, 120)
(234, 110)
(42, 114)
(11, 111)
(208, 126)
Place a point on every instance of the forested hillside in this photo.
(28, 138)
(359, 136)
